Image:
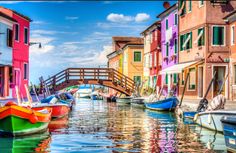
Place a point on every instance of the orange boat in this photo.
(17, 120)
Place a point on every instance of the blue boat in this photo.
(168, 104)
(229, 129)
(189, 115)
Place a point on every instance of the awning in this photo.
(199, 36)
(178, 68)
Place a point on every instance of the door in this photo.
(1, 81)
(200, 82)
(17, 78)
(219, 80)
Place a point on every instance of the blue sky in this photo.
(78, 34)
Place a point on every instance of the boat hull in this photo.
(138, 102)
(229, 129)
(18, 121)
(212, 119)
(124, 100)
(58, 110)
(168, 104)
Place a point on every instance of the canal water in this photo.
(101, 127)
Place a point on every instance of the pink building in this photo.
(20, 51)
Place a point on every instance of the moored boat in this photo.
(212, 119)
(229, 130)
(125, 100)
(138, 102)
(17, 120)
(167, 104)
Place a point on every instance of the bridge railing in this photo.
(81, 74)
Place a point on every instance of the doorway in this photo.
(200, 81)
(218, 84)
(17, 78)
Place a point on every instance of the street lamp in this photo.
(34, 43)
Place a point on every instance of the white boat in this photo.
(83, 92)
(212, 119)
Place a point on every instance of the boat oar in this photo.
(185, 85)
(203, 103)
(18, 95)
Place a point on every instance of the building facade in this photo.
(231, 20)
(203, 41)
(20, 51)
(152, 65)
(169, 47)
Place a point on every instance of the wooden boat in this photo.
(125, 100)
(58, 110)
(17, 120)
(229, 130)
(138, 102)
(66, 98)
(212, 119)
(168, 104)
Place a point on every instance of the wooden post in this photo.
(28, 95)
(18, 95)
(185, 85)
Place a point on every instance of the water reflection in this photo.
(97, 126)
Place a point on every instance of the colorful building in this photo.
(116, 57)
(204, 46)
(20, 51)
(6, 34)
(151, 63)
(169, 47)
(231, 20)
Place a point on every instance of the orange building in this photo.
(231, 20)
(204, 44)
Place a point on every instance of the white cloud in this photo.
(46, 45)
(71, 17)
(39, 22)
(102, 56)
(142, 17)
(119, 18)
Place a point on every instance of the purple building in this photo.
(169, 47)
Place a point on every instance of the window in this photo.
(186, 41)
(167, 24)
(232, 35)
(201, 40)
(175, 78)
(190, 5)
(155, 58)
(166, 79)
(137, 79)
(9, 37)
(183, 77)
(176, 19)
(167, 49)
(201, 3)
(17, 32)
(176, 46)
(192, 78)
(182, 7)
(26, 36)
(150, 60)
(137, 56)
(218, 35)
(25, 71)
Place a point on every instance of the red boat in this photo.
(58, 110)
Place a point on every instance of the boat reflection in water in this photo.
(33, 143)
(58, 124)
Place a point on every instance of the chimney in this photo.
(166, 4)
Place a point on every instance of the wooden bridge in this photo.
(108, 77)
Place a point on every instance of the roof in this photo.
(124, 38)
(17, 13)
(230, 15)
(140, 42)
(174, 6)
(155, 23)
(7, 17)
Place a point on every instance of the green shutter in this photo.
(167, 49)
(167, 24)
(182, 2)
(166, 79)
(201, 40)
(137, 56)
(190, 41)
(190, 6)
(221, 35)
(218, 36)
(175, 78)
(176, 19)
(181, 42)
(176, 46)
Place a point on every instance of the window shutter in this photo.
(190, 41)
(167, 24)
(181, 42)
(175, 78)
(167, 49)
(166, 78)
(216, 36)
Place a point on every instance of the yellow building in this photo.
(133, 60)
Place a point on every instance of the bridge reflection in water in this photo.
(96, 126)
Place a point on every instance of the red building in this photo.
(20, 49)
